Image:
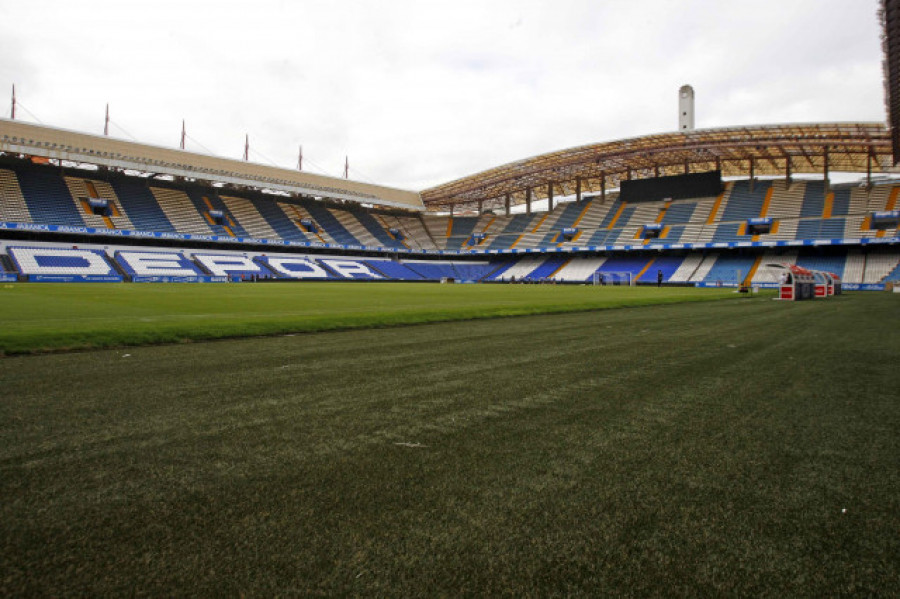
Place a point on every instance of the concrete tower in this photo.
(686, 108)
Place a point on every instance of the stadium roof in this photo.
(736, 151)
(17, 137)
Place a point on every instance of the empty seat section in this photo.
(61, 261)
(673, 235)
(809, 228)
(894, 275)
(245, 214)
(548, 268)
(841, 203)
(598, 238)
(394, 270)
(730, 269)
(611, 214)
(744, 203)
(140, 206)
(432, 271)
(325, 219)
(414, 231)
(813, 199)
(835, 263)
(472, 271)
(727, 232)
(47, 197)
(687, 268)
(13, 208)
(832, 228)
(502, 241)
(679, 213)
(498, 269)
(625, 263)
(550, 239)
(580, 269)
(279, 220)
(139, 263)
(519, 269)
(181, 212)
(205, 203)
(461, 229)
(233, 265)
(570, 213)
(878, 265)
(377, 230)
(518, 223)
(668, 264)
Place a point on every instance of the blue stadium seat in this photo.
(47, 197)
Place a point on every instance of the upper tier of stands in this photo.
(803, 210)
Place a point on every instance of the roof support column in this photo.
(719, 163)
(451, 209)
(825, 167)
(752, 172)
(577, 190)
(507, 202)
(656, 170)
(787, 172)
(480, 207)
(687, 167)
(869, 168)
(603, 188)
(549, 197)
(527, 200)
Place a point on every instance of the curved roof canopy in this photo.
(736, 151)
(36, 140)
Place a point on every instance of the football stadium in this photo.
(585, 372)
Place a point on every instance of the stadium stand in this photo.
(731, 269)
(667, 263)
(62, 264)
(47, 197)
(140, 205)
(894, 275)
(549, 268)
(580, 269)
(151, 266)
(349, 269)
(13, 207)
(233, 266)
(836, 263)
(623, 262)
(397, 271)
(181, 212)
(879, 264)
(707, 235)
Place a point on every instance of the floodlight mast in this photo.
(12, 114)
(686, 108)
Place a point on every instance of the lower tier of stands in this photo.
(46, 261)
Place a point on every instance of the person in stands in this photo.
(659, 278)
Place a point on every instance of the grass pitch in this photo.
(41, 317)
(745, 447)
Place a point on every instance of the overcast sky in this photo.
(418, 93)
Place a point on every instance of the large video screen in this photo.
(694, 185)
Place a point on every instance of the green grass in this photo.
(42, 317)
(746, 448)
